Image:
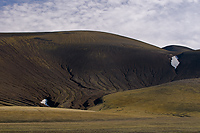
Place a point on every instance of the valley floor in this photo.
(162, 124)
(35, 119)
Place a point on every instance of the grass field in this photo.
(133, 125)
(37, 119)
(179, 98)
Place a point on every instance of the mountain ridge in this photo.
(75, 69)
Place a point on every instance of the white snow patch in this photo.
(44, 101)
(175, 62)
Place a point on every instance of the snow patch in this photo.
(44, 101)
(175, 62)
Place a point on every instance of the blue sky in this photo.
(158, 22)
(11, 2)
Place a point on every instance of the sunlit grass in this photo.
(180, 98)
(41, 119)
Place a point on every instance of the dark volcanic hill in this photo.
(190, 65)
(176, 48)
(75, 69)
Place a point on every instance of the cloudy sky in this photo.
(158, 22)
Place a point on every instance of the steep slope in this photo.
(179, 98)
(75, 69)
(189, 66)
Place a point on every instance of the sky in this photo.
(158, 22)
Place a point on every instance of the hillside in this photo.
(75, 69)
(178, 98)
(176, 48)
(190, 65)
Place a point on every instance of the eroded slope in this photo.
(75, 69)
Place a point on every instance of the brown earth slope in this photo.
(75, 69)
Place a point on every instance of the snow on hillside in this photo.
(44, 101)
(175, 62)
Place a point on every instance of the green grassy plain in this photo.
(41, 119)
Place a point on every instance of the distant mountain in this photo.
(75, 69)
(176, 48)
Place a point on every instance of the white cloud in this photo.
(156, 22)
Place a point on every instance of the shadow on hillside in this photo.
(52, 103)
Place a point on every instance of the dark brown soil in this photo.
(75, 69)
